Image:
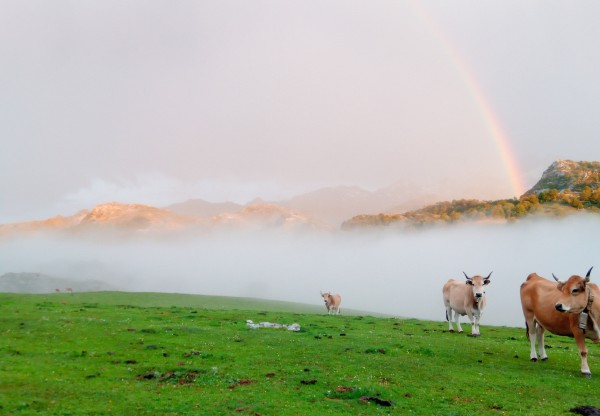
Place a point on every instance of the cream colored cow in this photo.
(465, 298)
(332, 302)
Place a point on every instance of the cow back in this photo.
(458, 295)
(335, 300)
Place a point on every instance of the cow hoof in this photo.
(534, 360)
(587, 375)
(451, 330)
(545, 359)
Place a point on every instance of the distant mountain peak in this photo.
(112, 209)
(257, 201)
(202, 208)
(568, 175)
(266, 214)
(132, 216)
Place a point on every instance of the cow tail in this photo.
(526, 330)
(447, 315)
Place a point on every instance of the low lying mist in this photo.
(383, 271)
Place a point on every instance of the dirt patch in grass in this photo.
(180, 376)
(586, 410)
(360, 394)
(376, 400)
(241, 383)
(308, 382)
(375, 351)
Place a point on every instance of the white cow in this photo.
(332, 302)
(465, 298)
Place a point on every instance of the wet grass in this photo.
(113, 353)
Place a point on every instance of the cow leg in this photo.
(531, 332)
(472, 319)
(475, 330)
(449, 318)
(457, 321)
(580, 340)
(539, 335)
(536, 335)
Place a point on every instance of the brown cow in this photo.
(465, 298)
(563, 308)
(332, 302)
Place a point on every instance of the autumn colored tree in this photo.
(531, 199)
(548, 196)
(520, 209)
(595, 196)
(575, 202)
(586, 194)
(498, 211)
(455, 216)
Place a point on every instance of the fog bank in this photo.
(384, 271)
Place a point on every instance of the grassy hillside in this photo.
(150, 299)
(192, 301)
(124, 353)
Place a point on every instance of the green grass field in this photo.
(164, 354)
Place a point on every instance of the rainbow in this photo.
(488, 115)
(507, 154)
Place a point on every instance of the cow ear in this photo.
(486, 282)
(469, 282)
(560, 285)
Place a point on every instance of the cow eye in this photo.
(575, 291)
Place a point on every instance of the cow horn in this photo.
(468, 278)
(587, 276)
(488, 276)
(555, 278)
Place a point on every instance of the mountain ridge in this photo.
(568, 174)
(565, 186)
(138, 219)
(42, 283)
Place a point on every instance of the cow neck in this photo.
(588, 307)
(591, 317)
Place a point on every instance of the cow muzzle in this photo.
(561, 308)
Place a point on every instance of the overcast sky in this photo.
(158, 102)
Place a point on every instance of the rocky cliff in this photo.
(568, 175)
